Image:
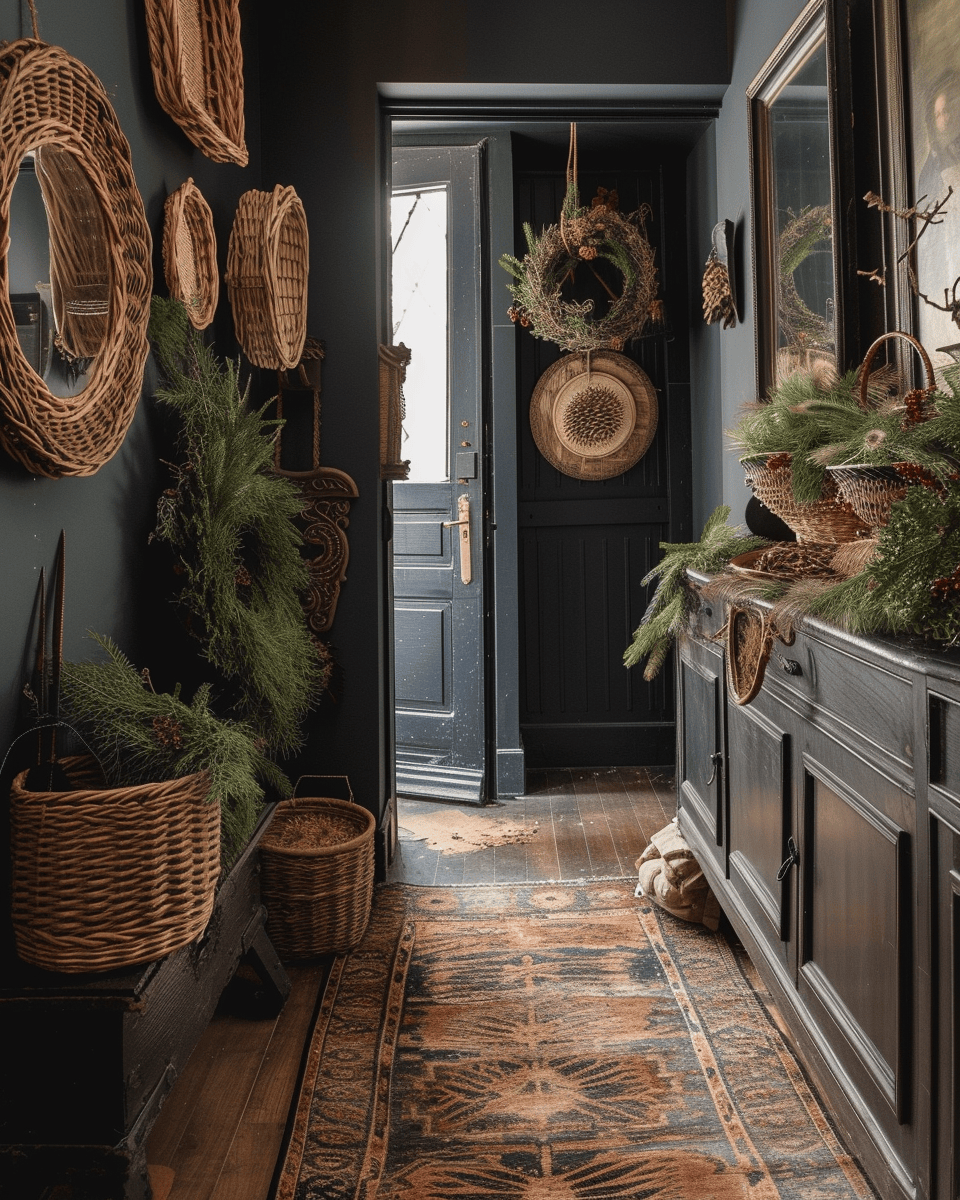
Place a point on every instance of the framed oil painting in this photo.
(930, 34)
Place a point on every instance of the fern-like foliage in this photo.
(669, 608)
(231, 522)
(142, 736)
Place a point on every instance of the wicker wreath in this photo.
(267, 277)
(584, 235)
(100, 241)
(190, 253)
(197, 63)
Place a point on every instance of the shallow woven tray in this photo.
(317, 876)
(197, 63)
(108, 877)
(786, 560)
(190, 253)
(267, 263)
(51, 101)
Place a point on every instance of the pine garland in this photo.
(230, 520)
(670, 607)
(142, 736)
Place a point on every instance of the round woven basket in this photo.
(190, 253)
(53, 106)
(267, 277)
(317, 876)
(829, 519)
(108, 877)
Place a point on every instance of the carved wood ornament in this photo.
(326, 493)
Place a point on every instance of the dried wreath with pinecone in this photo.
(584, 235)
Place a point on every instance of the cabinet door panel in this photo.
(700, 766)
(856, 965)
(945, 1036)
(760, 816)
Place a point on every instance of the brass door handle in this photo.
(463, 511)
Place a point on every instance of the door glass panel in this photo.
(418, 222)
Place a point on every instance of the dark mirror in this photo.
(795, 267)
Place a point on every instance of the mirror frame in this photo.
(52, 435)
(813, 26)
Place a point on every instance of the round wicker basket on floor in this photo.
(317, 876)
(104, 877)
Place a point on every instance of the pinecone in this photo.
(168, 732)
(593, 416)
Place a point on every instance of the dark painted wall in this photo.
(323, 69)
(108, 516)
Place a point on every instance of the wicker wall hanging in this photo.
(326, 494)
(719, 303)
(593, 415)
(584, 235)
(197, 63)
(51, 102)
(190, 253)
(393, 371)
(267, 277)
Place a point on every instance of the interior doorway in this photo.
(528, 624)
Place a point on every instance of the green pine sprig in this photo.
(142, 736)
(231, 521)
(669, 608)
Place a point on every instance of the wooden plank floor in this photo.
(221, 1130)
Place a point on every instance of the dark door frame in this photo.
(440, 120)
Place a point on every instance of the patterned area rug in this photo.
(551, 1042)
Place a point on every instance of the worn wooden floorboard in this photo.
(221, 1130)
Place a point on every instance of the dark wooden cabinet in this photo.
(829, 828)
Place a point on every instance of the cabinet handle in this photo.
(716, 758)
(792, 859)
(790, 665)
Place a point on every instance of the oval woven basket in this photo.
(267, 262)
(829, 519)
(190, 253)
(318, 896)
(108, 877)
(197, 62)
(749, 642)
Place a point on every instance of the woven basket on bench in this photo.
(317, 876)
(108, 877)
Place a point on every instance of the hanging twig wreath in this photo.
(51, 102)
(583, 235)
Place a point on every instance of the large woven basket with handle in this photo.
(828, 519)
(317, 875)
(108, 877)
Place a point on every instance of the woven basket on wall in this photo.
(108, 877)
(50, 101)
(197, 62)
(267, 261)
(317, 876)
(829, 519)
(190, 253)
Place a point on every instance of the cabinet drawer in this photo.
(857, 701)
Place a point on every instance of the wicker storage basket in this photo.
(827, 520)
(267, 262)
(317, 876)
(108, 877)
(190, 253)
